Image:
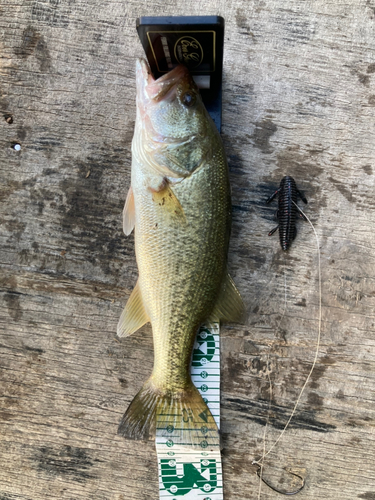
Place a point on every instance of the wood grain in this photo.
(299, 97)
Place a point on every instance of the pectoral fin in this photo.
(128, 215)
(133, 316)
(229, 306)
(166, 198)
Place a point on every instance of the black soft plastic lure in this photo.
(287, 211)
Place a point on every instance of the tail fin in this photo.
(182, 417)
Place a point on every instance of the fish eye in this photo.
(188, 99)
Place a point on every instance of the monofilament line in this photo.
(270, 389)
(261, 460)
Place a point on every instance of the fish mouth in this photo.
(151, 92)
(163, 88)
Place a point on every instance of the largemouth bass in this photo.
(179, 205)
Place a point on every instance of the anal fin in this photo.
(229, 305)
(134, 315)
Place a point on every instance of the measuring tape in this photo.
(194, 474)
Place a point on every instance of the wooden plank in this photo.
(299, 95)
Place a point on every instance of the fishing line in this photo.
(261, 465)
(260, 462)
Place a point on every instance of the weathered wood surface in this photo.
(299, 97)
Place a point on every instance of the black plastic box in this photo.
(195, 41)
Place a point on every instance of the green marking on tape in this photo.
(192, 477)
(204, 348)
(204, 415)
